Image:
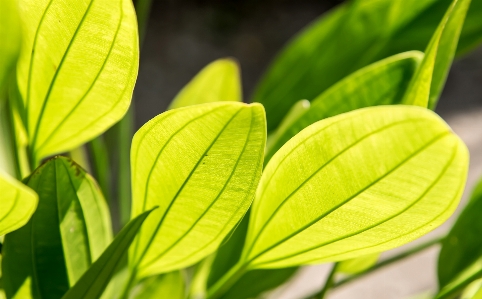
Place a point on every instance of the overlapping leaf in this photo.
(355, 184)
(68, 231)
(76, 70)
(382, 83)
(170, 285)
(200, 165)
(218, 81)
(17, 204)
(358, 264)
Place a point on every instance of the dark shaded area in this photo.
(184, 36)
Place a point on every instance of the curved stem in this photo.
(328, 283)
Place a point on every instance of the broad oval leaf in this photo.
(463, 245)
(94, 281)
(358, 183)
(348, 38)
(427, 84)
(200, 165)
(17, 204)
(218, 81)
(76, 70)
(381, 83)
(69, 230)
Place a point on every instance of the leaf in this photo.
(463, 245)
(427, 84)
(346, 39)
(68, 231)
(76, 70)
(218, 81)
(17, 204)
(200, 165)
(358, 264)
(381, 83)
(92, 284)
(169, 285)
(355, 184)
(10, 37)
(462, 280)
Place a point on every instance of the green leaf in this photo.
(463, 245)
(358, 264)
(346, 39)
(381, 83)
(10, 37)
(17, 204)
(200, 165)
(93, 283)
(427, 84)
(462, 280)
(76, 70)
(355, 184)
(68, 231)
(218, 81)
(169, 285)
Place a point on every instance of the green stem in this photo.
(328, 283)
(390, 261)
(227, 281)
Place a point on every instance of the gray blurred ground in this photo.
(184, 36)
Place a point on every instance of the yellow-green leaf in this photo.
(10, 37)
(200, 165)
(355, 184)
(17, 204)
(218, 81)
(76, 70)
(170, 285)
(358, 264)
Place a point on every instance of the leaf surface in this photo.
(10, 37)
(463, 244)
(76, 70)
(17, 204)
(218, 81)
(355, 184)
(94, 281)
(68, 231)
(200, 165)
(381, 83)
(170, 285)
(358, 264)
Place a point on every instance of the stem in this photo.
(328, 283)
(391, 260)
(129, 284)
(227, 281)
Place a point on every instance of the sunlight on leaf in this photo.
(355, 184)
(201, 166)
(218, 81)
(358, 264)
(169, 285)
(76, 70)
(10, 37)
(68, 231)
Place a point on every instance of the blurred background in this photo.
(184, 36)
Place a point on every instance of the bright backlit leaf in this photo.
(17, 204)
(381, 83)
(76, 70)
(428, 82)
(93, 283)
(358, 264)
(10, 37)
(170, 285)
(463, 245)
(69, 230)
(355, 184)
(218, 81)
(201, 166)
(348, 38)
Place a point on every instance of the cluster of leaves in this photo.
(227, 200)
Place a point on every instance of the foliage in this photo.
(220, 209)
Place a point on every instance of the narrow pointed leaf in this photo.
(348, 38)
(218, 81)
(201, 166)
(427, 84)
(17, 204)
(463, 245)
(453, 288)
(94, 281)
(170, 285)
(355, 184)
(76, 70)
(381, 83)
(68, 231)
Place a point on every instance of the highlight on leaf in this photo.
(76, 70)
(201, 165)
(334, 205)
